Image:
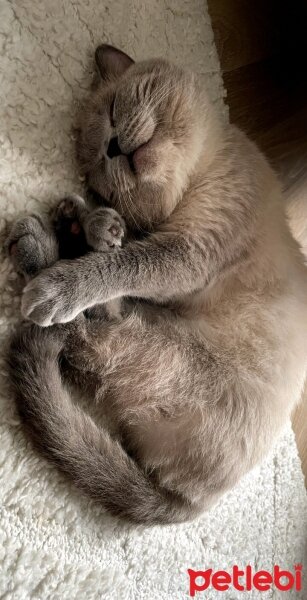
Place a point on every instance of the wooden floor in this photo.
(262, 48)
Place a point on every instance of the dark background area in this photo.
(262, 46)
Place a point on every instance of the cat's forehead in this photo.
(154, 70)
(146, 84)
(143, 80)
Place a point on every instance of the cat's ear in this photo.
(111, 62)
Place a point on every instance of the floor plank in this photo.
(243, 31)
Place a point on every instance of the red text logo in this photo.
(245, 580)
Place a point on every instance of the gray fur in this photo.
(197, 381)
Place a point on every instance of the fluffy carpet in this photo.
(55, 544)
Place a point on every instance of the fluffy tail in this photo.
(96, 463)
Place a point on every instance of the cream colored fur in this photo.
(196, 389)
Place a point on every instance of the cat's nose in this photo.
(113, 148)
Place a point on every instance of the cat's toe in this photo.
(104, 229)
(31, 245)
(72, 208)
(67, 219)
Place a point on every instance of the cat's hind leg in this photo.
(67, 219)
(32, 245)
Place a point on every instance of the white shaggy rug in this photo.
(55, 544)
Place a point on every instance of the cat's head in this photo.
(142, 131)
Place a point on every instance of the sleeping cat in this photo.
(199, 376)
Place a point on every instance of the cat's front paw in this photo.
(104, 229)
(54, 295)
(31, 245)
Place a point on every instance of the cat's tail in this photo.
(96, 463)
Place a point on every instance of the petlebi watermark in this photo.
(245, 579)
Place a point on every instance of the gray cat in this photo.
(199, 376)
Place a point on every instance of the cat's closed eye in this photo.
(112, 120)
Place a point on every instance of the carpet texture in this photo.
(55, 544)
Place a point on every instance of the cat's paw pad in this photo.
(104, 229)
(70, 212)
(67, 219)
(31, 245)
